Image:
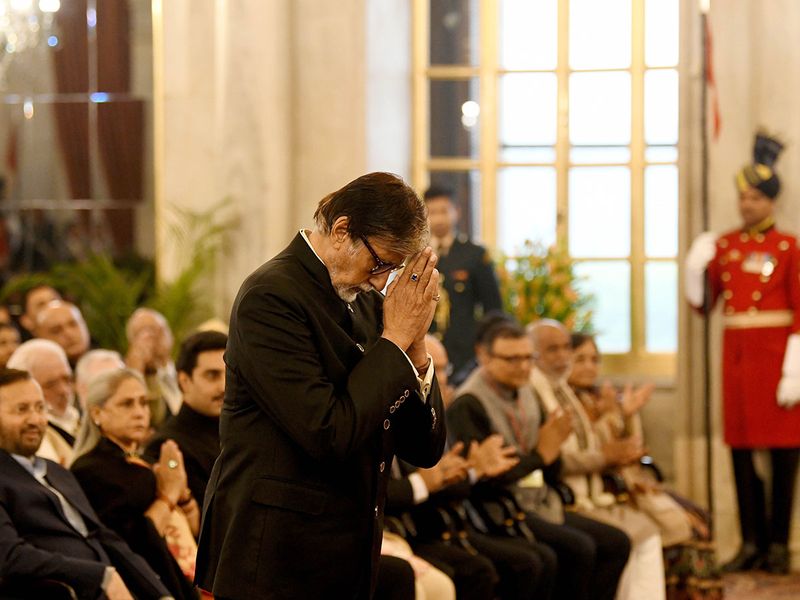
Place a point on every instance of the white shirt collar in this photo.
(304, 233)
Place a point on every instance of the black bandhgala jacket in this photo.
(316, 406)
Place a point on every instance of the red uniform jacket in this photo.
(758, 276)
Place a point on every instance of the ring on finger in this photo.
(414, 277)
(172, 463)
(436, 298)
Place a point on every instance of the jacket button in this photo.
(376, 512)
(382, 466)
(386, 424)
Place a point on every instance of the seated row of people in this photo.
(153, 508)
(46, 315)
(138, 487)
(519, 432)
(49, 527)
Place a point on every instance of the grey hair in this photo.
(534, 328)
(145, 311)
(84, 365)
(379, 205)
(25, 356)
(101, 388)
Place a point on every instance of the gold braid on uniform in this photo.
(752, 176)
(761, 173)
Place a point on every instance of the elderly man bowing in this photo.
(326, 381)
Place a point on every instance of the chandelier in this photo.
(24, 24)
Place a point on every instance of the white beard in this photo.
(346, 292)
(349, 293)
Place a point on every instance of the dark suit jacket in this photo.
(316, 405)
(424, 517)
(37, 542)
(472, 290)
(467, 421)
(121, 492)
(198, 438)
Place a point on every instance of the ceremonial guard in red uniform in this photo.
(756, 270)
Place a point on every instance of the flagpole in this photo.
(704, 198)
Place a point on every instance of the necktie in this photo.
(70, 512)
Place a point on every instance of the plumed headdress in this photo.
(761, 174)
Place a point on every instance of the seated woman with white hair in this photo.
(151, 508)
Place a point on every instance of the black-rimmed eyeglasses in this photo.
(381, 266)
(514, 359)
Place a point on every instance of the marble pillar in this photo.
(262, 102)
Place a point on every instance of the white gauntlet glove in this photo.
(789, 386)
(700, 254)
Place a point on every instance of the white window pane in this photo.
(527, 106)
(661, 306)
(528, 154)
(599, 154)
(527, 207)
(661, 211)
(661, 33)
(661, 107)
(528, 34)
(455, 118)
(599, 212)
(661, 154)
(599, 34)
(600, 108)
(609, 282)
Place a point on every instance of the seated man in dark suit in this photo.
(201, 376)
(481, 565)
(498, 399)
(48, 529)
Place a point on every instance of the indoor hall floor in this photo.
(762, 586)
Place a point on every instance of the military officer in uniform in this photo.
(756, 270)
(467, 278)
